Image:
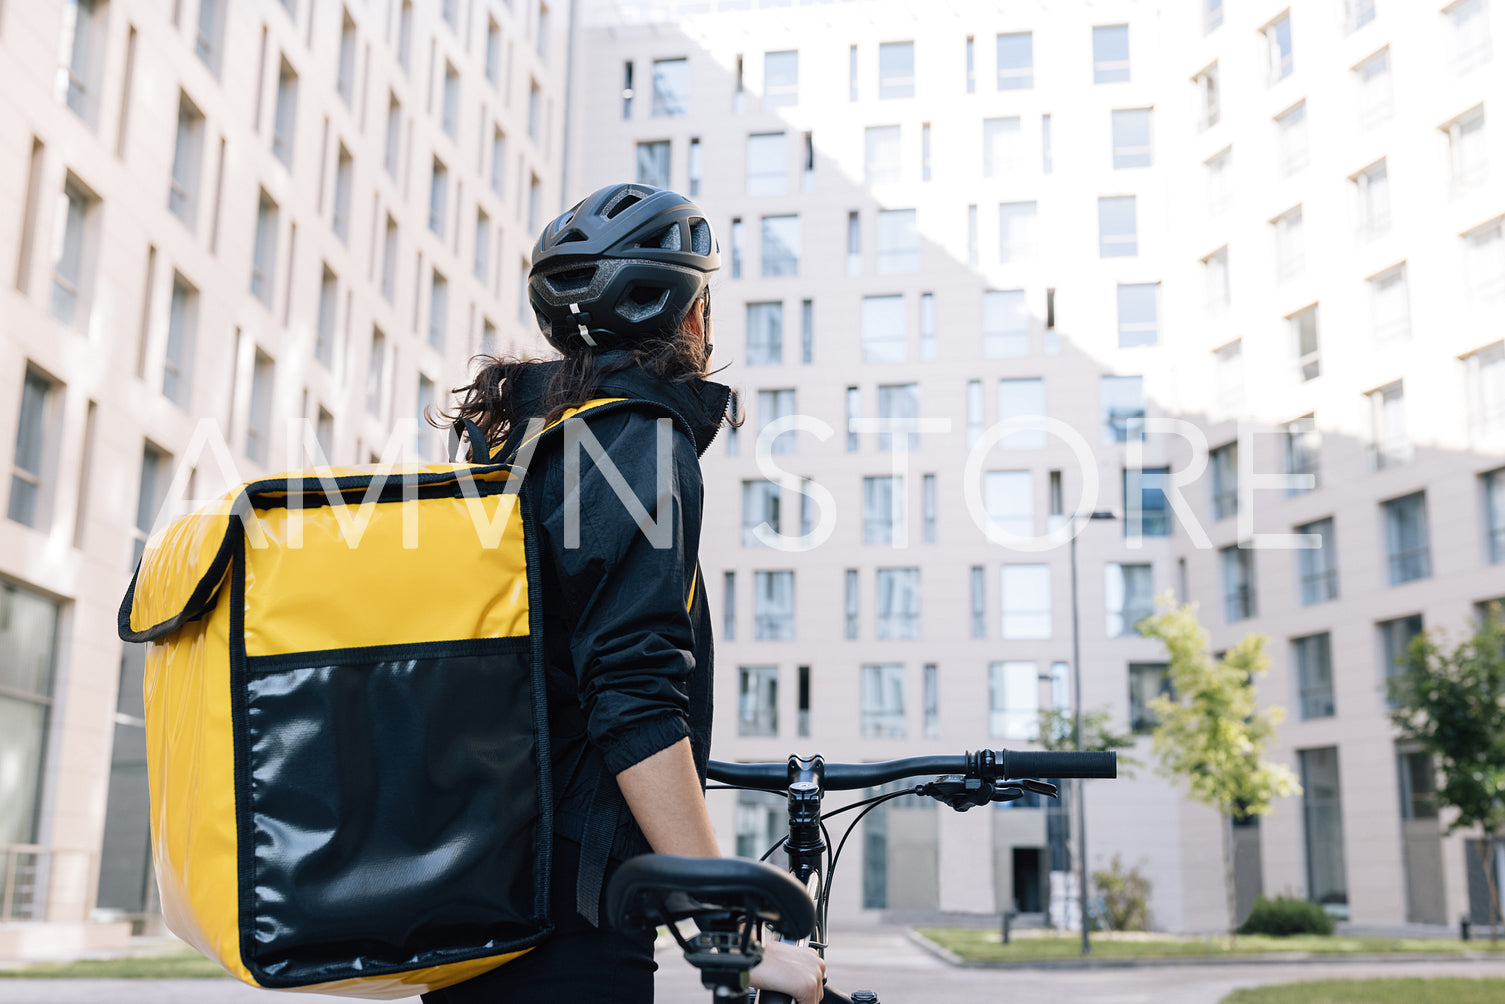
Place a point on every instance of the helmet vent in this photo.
(626, 202)
(571, 281)
(669, 240)
(572, 235)
(700, 236)
(642, 302)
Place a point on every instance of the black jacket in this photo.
(629, 660)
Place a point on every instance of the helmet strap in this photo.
(580, 319)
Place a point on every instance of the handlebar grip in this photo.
(1028, 763)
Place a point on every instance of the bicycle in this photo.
(730, 899)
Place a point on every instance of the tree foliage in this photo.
(1451, 703)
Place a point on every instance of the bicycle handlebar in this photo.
(988, 764)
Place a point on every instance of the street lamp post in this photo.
(1076, 700)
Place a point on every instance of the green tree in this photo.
(1058, 733)
(1451, 703)
(1210, 734)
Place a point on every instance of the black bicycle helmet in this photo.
(627, 262)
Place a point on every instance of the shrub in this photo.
(1124, 897)
(1285, 915)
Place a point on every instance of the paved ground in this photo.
(878, 959)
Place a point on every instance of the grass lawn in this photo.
(1451, 990)
(984, 945)
(176, 964)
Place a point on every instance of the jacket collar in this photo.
(698, 405)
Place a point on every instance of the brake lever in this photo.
(1038, 787)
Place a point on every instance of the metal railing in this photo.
(26, 870)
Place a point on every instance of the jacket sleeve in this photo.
(633, 640)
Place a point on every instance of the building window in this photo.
(498, 162)
(1417, 784)
(1303, 333)
(1216, 279)
(1389, 305)
(73, 261)
(1371, 201)
(83, 35)
(393, 151)
(671, 86)
(760, 505)
(1117, 227)
(772, 406)
(927, 508)
(765, 334)
(1290, 246)
(37, 434)
(1314, 676)
(739, 245)
(974, 411)
(854, 410)
(29, 638)
(781, 246)
(1389, 442)
(767, 164)
(345, 71)
(851, 72)
(1147, 681)
(183, 189)
(896, 70)
(438, 310)
(1025, 592)
(450, 112)
(376, 373)
(781, 78)
(899, 403)
(1123, 408)
(854, 243)
(1303, 449)
(1357, 13)
(883, 516)
(1319, 565)
(1138, 314)
(1212, 16)
(695, 166)
(1395, 642)
(971, 65)
(425, 400)
(972, 234)
(1002, 147)
(1322, 813)
(1110, 54)
(1494, 513)
(1375, 97)
(807, 331)
(482, 265)
(898, 242)
(1228, 380)
(931, 685)
(898, 603)
(927, 327)
(653, 163)
(1484, 261)
(1005, 324)
(1014, 700)
(285, 116)
(1129, 596)
(1279, 59)
(389, 263)
(1467, 151)
(1219, 171)
(494, 53)
(1016, 231)
(979, 602)
(758, 704)
(438, 197)
(1469, 21)
(1238, 584)
(1406, 538)
(1047, 158)
(729, 606)
(1016, 61)
(1209, 98)
(209, 42)
(1009, 497)
(1292, 148)
(535, 111)
(182, 338)
(773, 606)
(883, 336)
(850, 604)
(264, 254)
(1224, 464)
(1131, 138)
(343, 183)
(259, 420)
(1022, 398)
(405, 37)
(883, 700)
(1146, 509)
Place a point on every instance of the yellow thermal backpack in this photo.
(346, 725)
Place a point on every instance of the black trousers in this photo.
(577, 964)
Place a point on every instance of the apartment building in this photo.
(237, 233)
(1158, 228)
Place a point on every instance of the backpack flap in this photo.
(180, 575)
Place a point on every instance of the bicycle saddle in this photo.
(656, 889)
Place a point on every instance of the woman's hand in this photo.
(790, 969)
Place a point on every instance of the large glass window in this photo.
(1005, 324)
(767, 164)
(1117, 227)
(1395, 641)
(1305, 343)
(1002, 147)
(259, 420)
(1469, 22)
(765, 334)
(898, 241)
(1009, 497)
(773, 606)
(1110, 54)
(187, 156)
(781, 246)
(654, 163)
(896, 76)
(1224, 464)
(1494, 514)
(883, 514)
(671, 86)
(1290, 244)
(1375, 94)
(72, 260)
(1303, 449)
(1020, 398)
(1016, 231)
(1209, 97)
(760, 505)
(1147, 681)
(1319, 565)
(883, 335)
(1131, 138)
(1371, 201)
(438, 310)
(1484, 376)
(182, 336)
(1322, 813)
(28, 658)
(1026, 601)
(36, 447)
(1146, 509)
(1389, 442)
(883, 700)
(772, 406)
(1314, 675)
(1406, 538)
(1130, 595)
(899, 402)
(1389, 305)
(1484, 261)
(781, 78)
(1292, 147)
(1014, 699)
(1238, 584)
(758, 703)
(1138, 314)
(883, 155)
(898, 603)
(1016, 61)
(1123, 408)
(1279, 56)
